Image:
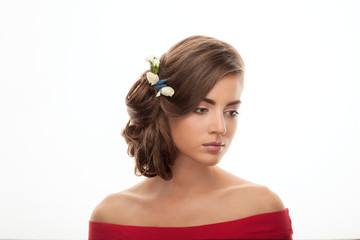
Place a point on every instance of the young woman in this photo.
(183, 117)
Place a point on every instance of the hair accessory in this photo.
(153, 78)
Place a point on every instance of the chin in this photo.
(210, 162)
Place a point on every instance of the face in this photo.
(205, 134)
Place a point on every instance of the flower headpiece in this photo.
(153, 78)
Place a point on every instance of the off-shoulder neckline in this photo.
(286, 210)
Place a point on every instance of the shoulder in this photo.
(251, 199)
(265, 199)
(243, 198)
(112, 208)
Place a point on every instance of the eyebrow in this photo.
(212, 102)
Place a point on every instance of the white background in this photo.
(66, 66)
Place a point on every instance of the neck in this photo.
(190, 178)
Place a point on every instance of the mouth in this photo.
(214, 146)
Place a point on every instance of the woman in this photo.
(183, 117)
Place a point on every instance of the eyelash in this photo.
(232, 114)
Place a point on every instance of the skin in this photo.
(200, 192)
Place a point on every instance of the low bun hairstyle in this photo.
(193, 67)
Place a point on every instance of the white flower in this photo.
(156, 62)
(150, 58)
(152, 78)
(167, 91)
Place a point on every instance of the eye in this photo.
(232, 113)
(200, 110)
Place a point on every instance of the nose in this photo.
(218, 125)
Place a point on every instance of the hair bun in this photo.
(142, 103)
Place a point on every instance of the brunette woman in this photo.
(183, 117)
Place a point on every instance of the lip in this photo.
(214, 146)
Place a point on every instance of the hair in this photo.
(193, 67)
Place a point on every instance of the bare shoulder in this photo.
(264, 199)
(113, 209)
(243, 198)
(252, 199)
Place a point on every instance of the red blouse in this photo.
(274, 225)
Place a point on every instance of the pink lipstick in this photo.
(214, 146)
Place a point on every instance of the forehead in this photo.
(227, 87)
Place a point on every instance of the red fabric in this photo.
(275, 225)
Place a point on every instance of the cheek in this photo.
(231, 128)
(185, 131)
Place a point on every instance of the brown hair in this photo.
(193, 66)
